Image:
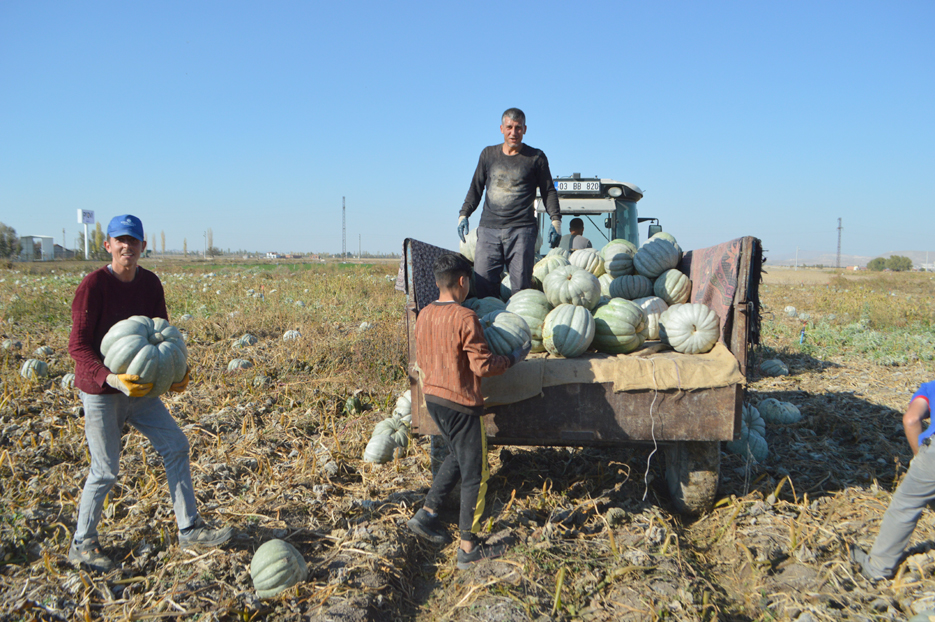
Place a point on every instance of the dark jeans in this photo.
(496, 249)
(467, 461)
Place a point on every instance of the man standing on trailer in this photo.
(508, 176)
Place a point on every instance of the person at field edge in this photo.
(106, 296)
(915, 492)
(452, 356)
(508, 175)
(575, 239)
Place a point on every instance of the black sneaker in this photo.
(480, 552)
(88, 552)
(427, 526)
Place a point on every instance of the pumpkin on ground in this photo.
(379, 449)
(752, 439)
(68, 381)
(619, 326)
(655, 256)
(568, 330)
(246, 340)
(505, 331)
(11, 344)
(774, 411)
(291, 335)
(467, 248)
(753, 420)
(532, 306)
(34, 369)
(395, 428)
(774, 367)
(749, 445)
(572, 285)
(239, 364)
(483, 306)
(588, 259)
(546, 265)
(276, 566)
(150, 348)
(43, 351)
(653, 307)
(631, 287)
(404, 404)
(690, 328)
(673, 286)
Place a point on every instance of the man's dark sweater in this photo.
(101, 301)
(510, 183)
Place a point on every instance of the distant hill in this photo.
(811, 258)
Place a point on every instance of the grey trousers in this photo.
(104, 418)
(915, 492)
(513, 249)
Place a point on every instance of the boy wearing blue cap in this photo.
(108, 295)
(915, 492)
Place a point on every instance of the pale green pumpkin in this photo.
(532, 306)
(505, 331)
(276, 566)
(673, 287)
(568, 330)
(619, 326)
(690, 328)
(572, 285)
(150, 348)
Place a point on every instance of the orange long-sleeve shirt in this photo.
(453, 355)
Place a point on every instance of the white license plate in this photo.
(578, 186)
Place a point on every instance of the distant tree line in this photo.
(9, 242)
(896, 263)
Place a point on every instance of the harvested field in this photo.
(276, 454)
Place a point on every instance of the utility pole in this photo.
(839, 244)
(343, 231)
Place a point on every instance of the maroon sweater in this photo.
(101, 301)
(453, 355)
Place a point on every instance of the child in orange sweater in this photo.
(453, 356)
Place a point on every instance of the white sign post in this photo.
(85, 217)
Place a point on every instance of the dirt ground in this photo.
(594, 536)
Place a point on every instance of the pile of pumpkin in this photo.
(752, 440)
(612, 300)
(391, 433)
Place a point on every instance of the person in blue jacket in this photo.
(915, 492)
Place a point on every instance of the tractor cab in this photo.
(607, 207)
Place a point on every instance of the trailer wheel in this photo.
(692, 469)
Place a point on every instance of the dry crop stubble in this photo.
(282, 459)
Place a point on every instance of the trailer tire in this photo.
(692, 470)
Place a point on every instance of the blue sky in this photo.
(255, 119)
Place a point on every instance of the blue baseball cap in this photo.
(126, 225)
